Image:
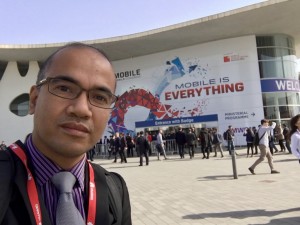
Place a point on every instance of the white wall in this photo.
(12, 85)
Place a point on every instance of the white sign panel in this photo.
(220, 77)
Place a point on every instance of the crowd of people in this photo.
(277, 138)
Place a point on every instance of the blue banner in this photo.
(277, 85)
(177, 121)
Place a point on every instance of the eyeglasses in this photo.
(69, 90)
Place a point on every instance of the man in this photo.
(190, 140)
(71, 105)
(129, 143)
(143, 147)
(123, 148)
(111, 148)
(229, 137)
(160, 146)
(285, 133)
(105, 144)
(254, 130)
(205, 142)
(217, 142)
(272, 145)
(149, 139)
(263, 137)
(180, 141)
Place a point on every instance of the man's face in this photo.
(69, 128)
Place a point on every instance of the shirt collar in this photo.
(44, 168)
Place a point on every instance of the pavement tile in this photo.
(204, 191)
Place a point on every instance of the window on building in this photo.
(3, 66)
(23, 68)
(20, 105)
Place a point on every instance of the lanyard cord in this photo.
(33, 194)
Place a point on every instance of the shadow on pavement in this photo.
(223, 177)
(246, 214)
(288, 220)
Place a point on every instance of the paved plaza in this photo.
(203, 191)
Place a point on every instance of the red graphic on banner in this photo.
(139, 97)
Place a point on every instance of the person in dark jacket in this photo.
(249, 139)
(205, 141)
(286, 134)
(71, 104)
(229, 137)
(180, 141)
(190, 141)
(129, 143)
(111, 146)
(143, 147)
(123, 148)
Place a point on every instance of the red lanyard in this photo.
(33, 194)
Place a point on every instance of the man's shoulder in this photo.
(4, 155)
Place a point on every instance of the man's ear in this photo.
(33, 95)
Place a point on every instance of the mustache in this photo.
(77, 124)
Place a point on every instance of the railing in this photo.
(101, 150)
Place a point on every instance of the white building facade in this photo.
(236, 81)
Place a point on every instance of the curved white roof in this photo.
(270, 17)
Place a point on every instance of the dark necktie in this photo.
(66, 212)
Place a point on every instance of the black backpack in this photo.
(7, 172)
(225, 136)
(257, 138)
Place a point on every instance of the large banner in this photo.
(217, 78)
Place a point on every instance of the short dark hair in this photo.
(141, 132)
(264, 121)
(293, 122)
(46, 64)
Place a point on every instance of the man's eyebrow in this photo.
(67, 78)
(71, 79)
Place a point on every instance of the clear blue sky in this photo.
(52, 21)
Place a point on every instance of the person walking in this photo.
(180, 138)
(263, 134)
(280, 137)
(143, 147)
(286, 134)
(129, 143)
(249, 139)
(229, 137)
(217, 142)
(190, 141)
(148, 136)
(160, 145)
(255, 145)
(272, 146)
(123, 148)
(117, 145)
(111, 147)
(205, 142)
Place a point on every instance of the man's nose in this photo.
(81, 106)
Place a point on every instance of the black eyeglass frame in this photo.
(48, 79)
